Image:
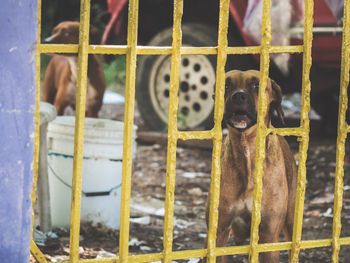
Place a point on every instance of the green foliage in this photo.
(115, 74)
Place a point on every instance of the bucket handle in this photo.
(87, 194)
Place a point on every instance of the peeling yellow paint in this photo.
(222, 50)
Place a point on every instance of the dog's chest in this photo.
(90, 89)
(243, 204)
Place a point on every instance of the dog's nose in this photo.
(239, 97)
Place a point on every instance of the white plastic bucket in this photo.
(102, 170)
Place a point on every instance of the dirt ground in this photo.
(192, 184)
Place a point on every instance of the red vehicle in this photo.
(199, 27)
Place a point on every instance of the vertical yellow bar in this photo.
(131, 58)
(33, 247)
(342, 133)
(172, 131)
(304, 122)
(37, 113)
(218, 115)
(79, 129)
(261, 131)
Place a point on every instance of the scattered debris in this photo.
(291, 105)
(194, 175)
(151, 206)
(135, 242)
(191, 191)
(328, 213)
(326, 199)
(104, 254)
(195, 191)
(145, 220)
(182, 224)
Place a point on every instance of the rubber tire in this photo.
(192, 35)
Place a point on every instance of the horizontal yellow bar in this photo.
(58, 48)
(146, 258)
(298, 131)
(220, 251)
(344, 241)
(100, 260)
(234, 250)
(165, 50)
(306, 244)
(143, 258)
(315, 243)
(108, 49)
(148, 50)
(271, 49)
(286, 49)
(197, 135)
(185, 254)
(274, 247)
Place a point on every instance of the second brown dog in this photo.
(61, 74)
(238, 165)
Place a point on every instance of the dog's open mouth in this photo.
(240, 120)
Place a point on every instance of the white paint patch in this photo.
(13, 49)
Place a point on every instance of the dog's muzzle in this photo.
(238, 112)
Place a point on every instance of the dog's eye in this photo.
(66, 34)
(256, 86)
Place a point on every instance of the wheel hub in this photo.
(197, 79)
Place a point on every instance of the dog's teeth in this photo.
(240, 125)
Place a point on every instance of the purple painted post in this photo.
(18, 29)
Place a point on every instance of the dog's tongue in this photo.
(240, 121)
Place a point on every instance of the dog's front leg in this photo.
(269, 233)
(224, 229)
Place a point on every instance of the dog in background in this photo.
(238, 165)
(61, 74)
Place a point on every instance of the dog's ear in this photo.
(276, 103)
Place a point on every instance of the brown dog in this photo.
(238, 160)
(61, 73)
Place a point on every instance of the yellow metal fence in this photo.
(222, 50)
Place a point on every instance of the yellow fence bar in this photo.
(148, 50)
(298, 131)
(222, 50)
(59, 48)
(342, 133)
(232, 250)
(131, 59)
(79, 129)
(36, 252)
(261, 131)
(172, 132)
(198, 135)
(217, 143)
(305, 125)
(36, 118)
